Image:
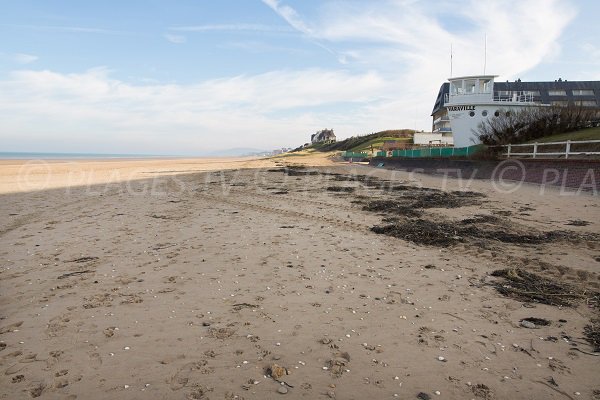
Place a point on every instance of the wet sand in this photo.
(197, 279)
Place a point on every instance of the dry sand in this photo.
(189, 279)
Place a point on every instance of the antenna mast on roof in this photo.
(450, 60)
(484, 53)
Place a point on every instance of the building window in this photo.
(485, 86)
(471, 86)
(560, 103)
(454, 89)
(484, 113)
(472, 113)
(557, 92)
(534, 93)
(586, 103)
(583, 92)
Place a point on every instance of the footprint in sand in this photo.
(95, 360)
(37, 389)
(110, 331)
(13, 369)
(98, 300)
(61, 383)
(198, 393)
(10, 328)
(189, 375)
(57, 324)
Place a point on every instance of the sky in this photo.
(192, 77)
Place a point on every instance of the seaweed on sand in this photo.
(421, 197)
(437, 200)
(592, 333)
(298, 172)
(421, 231)
(443, 234)
(346, 189)
(529, 287)
(294, 170)
(392, 207)
(479, 219)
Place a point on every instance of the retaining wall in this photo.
(573, 174)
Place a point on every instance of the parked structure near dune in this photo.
(432, 139)
(324, 136)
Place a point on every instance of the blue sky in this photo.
(190, 77)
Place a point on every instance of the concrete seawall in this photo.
(572, 174)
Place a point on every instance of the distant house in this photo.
(324, 136)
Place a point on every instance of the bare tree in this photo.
(534, 123)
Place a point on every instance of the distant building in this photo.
(432, 139)
(324, 136)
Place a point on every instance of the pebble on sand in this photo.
(282, 390)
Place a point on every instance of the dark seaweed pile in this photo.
(345, 189)
(592, 333)
(443, 234)
(529, 287)
(392, 207)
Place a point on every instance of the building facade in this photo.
(460, 101)
(324, 136)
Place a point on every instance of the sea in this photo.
(8, 155)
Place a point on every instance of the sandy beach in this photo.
(259, 279)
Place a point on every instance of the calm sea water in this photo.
(73, 156)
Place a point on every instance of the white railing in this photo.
(501, 98)
(466, 96)
(514, 98)
(510, 149)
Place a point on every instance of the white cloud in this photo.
(94, 109)
(177, 39)
(413, 35)
(408, 42)
(290, 15)
(255, 46)
(393, 57)
(230, 27)
(70, 29)
(19, 58)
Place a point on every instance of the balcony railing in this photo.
(502, 98)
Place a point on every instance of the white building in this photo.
(429, 138)
(464, 102)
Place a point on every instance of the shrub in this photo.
(534, 123)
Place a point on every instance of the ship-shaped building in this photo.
(464, 102)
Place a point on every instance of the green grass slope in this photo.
(584, 134)
(364, 143)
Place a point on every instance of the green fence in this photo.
(351, 154)
(434, 152)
